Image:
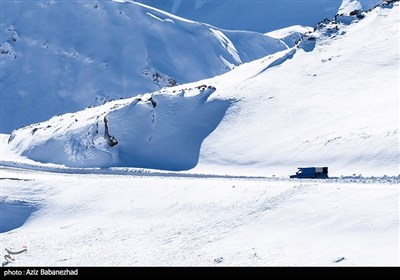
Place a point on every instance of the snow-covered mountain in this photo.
(331, 100)
(62, 56)
(261, 15)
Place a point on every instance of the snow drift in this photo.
(315, 104)
(62, 56)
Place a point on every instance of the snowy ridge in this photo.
(122, 49)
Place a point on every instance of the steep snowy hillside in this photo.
(261, 15)
(335, 106)
(62, 56)
(330, 101)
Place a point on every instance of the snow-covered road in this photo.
(103, 219)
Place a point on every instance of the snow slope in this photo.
(312, 105)
(156, 131)
(62, 56)
(335, 106)
(261, 15)
(103, 220)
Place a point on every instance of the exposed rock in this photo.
(111, 141)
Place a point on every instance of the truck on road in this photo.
(311, 173)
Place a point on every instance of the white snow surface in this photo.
(304, 106)
(62, 56)
(110, 220)
(260, 15)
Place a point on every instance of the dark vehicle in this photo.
(311, 172)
